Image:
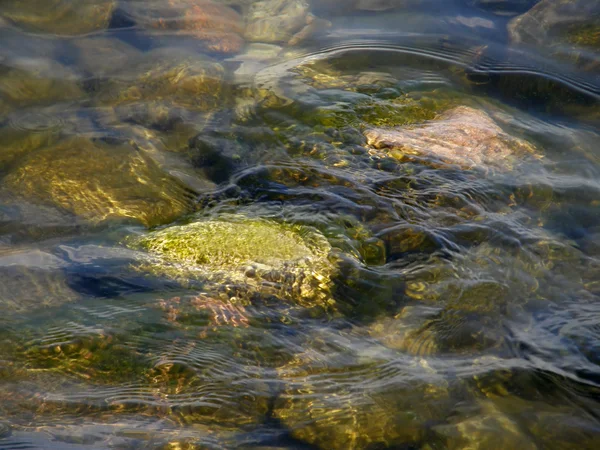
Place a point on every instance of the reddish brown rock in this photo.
(219, 26)
(462, 136)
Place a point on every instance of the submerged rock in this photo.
(555, 21)
(99, 181)
(462, 136)
(342, 402)
(102, 56)
(62, 17)
(163, 79)
(32, 280)
(347, 6)
(218, 26)
(282, 21)
(252, 255)
(569, 29)
(31, 81)
(489, 428)
(29, 129)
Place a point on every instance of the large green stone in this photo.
(260, 255)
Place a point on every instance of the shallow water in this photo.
(325, 291)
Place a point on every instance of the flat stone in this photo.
(461, 136)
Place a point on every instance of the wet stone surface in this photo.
(56, 175)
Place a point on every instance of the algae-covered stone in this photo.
(28, 129)
(490, 428)
(217, 26)
(104, 56)
(168, 150)
(463, 306)
(167, 76)
(339, 403)
(62, 17)
(569, 29)
(31, 281)
(259, 255)
(29, 81)
(510, 421)
(20, 141)
(462, 136)
(99, 181)
(282, 21)
(552, 22)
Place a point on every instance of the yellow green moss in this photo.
(260, 255)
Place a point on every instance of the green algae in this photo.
(100, 358)
(586, 35)
(399, 111)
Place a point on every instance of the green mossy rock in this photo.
(507, 422)
(552, 22)
(61, 17)
(259, 255)
(99, 181)
(180, 76)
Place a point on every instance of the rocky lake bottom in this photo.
(293, 224)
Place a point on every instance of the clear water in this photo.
(458, 305)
